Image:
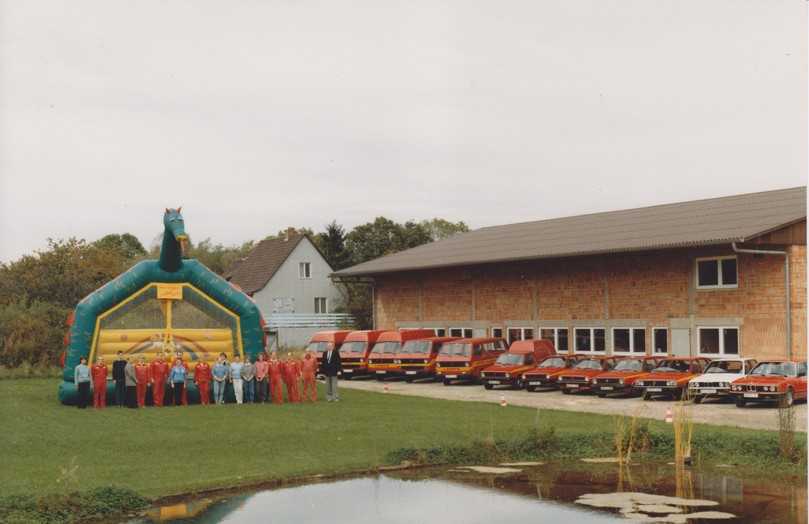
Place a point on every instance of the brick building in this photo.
(707, 277)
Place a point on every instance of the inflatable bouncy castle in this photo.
(171, 304)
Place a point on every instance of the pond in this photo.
(556, 493)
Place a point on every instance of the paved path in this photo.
(756, 416)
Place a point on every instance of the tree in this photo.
(440, 229)
(332, 243)
(127, 244)
(217, 257)
(383, 237)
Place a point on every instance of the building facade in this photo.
(703, 300)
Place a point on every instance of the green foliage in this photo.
(127, 245)
(332, 243)
(383, 237)
(216, 257)
(27, 370)
(104, 502)
(439, 229)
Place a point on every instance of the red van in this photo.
(382, 358)
(522, 356)
(354, 352)
(417, 357)
(463, 359)
(325, 340)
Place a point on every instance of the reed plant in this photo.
(786, 431)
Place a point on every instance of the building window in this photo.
(660, 339)
(590, 340)
(629, 340)
(320, 305)
(718, 341)
(440, 332)
(497, 332)
(717, 272)
(556, 335)
(461, 332)
(305, 270)
(520, 334)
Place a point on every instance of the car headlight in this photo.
(438, 364)
(621, 381)
(725, 384)
(693, 385)
(426, 361)
(671, 383)
(772, 388)
(466, 364)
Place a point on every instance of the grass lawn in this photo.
(159, 452)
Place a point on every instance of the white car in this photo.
(715, 382)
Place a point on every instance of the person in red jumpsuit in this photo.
(308, 372)
(143, 376)
(179, 356)
(99, 374)
(202, 378)
(160, 372)
(276, 371)
(291, 377)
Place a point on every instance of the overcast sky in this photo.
(256, 115)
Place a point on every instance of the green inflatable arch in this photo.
(170, 268)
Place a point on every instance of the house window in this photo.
(660, 339)
(629, 340)
(717, 272)
(320, 305)
(440, 332)
(520, 334)
(590, 340)
(718, 341)
(461, 332)
(497, 332)
(305, 270)
(556, 335)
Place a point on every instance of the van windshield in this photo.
(387, 348)
(416, 346)
(354, 347)
(628, 365)
(784, 369)
(589, 364)
(455, 349)
(553, 363)
(320, 347)
(510, 359)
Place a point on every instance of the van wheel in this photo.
(488, 386)
(740, 402)
(446, 382)
(602, 395)
(565, 391)
(697, 399)
(647, 395)
(409, 380)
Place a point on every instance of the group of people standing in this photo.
(260, 380)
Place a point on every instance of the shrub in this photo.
(75, 507)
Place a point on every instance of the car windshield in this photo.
(589, 364)
(353, 347)
(456, 349)
(510, 359)
(784, 369)
(387, 348)
(320, 347)
(416, 346)
(669, 366)
(553, 363)
(725, 366)
(629, 365)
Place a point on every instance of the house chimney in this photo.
(290, 232)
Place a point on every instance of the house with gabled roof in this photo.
(288, 278)
(715, 277)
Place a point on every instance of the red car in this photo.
(547, 372)
(581, 376)
(772, 381)
(671, 377)
(621, 379)
(507, 370)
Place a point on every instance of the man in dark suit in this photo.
(330, 366)
(120, 380)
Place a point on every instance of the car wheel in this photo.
(345, 377)
(647, 395)
(740, 402)
(409, 380)
(789, 398)
(565, 391)
(446, 382)
(602, 395)
(679, 394)
(697, 399)
(488, 386)
(530, 388)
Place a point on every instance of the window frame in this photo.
(522, 334)
(720, 284)
(325, 308)
(654, 347)
(493, 328)
(556, 336)
(304, 270)
(463, 332)
(631, 340)
(721, 352)
(591, 351)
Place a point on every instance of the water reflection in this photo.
(537, 494)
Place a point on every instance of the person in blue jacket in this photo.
(177, 377)
(81, 377)
(220, 379)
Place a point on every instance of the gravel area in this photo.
(725, 413)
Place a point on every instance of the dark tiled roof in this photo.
(699, 222)
(253, 272)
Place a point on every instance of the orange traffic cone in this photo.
(503, 402)
(669, 417)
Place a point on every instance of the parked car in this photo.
(324, 340)
(522, 356)
(621, 379)
(580, 377)
(417, 358)
(464, 359)
(717, 378)
(382, 357)
(772, 381)
(354, 352)
(671, 376)
(545, 375)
